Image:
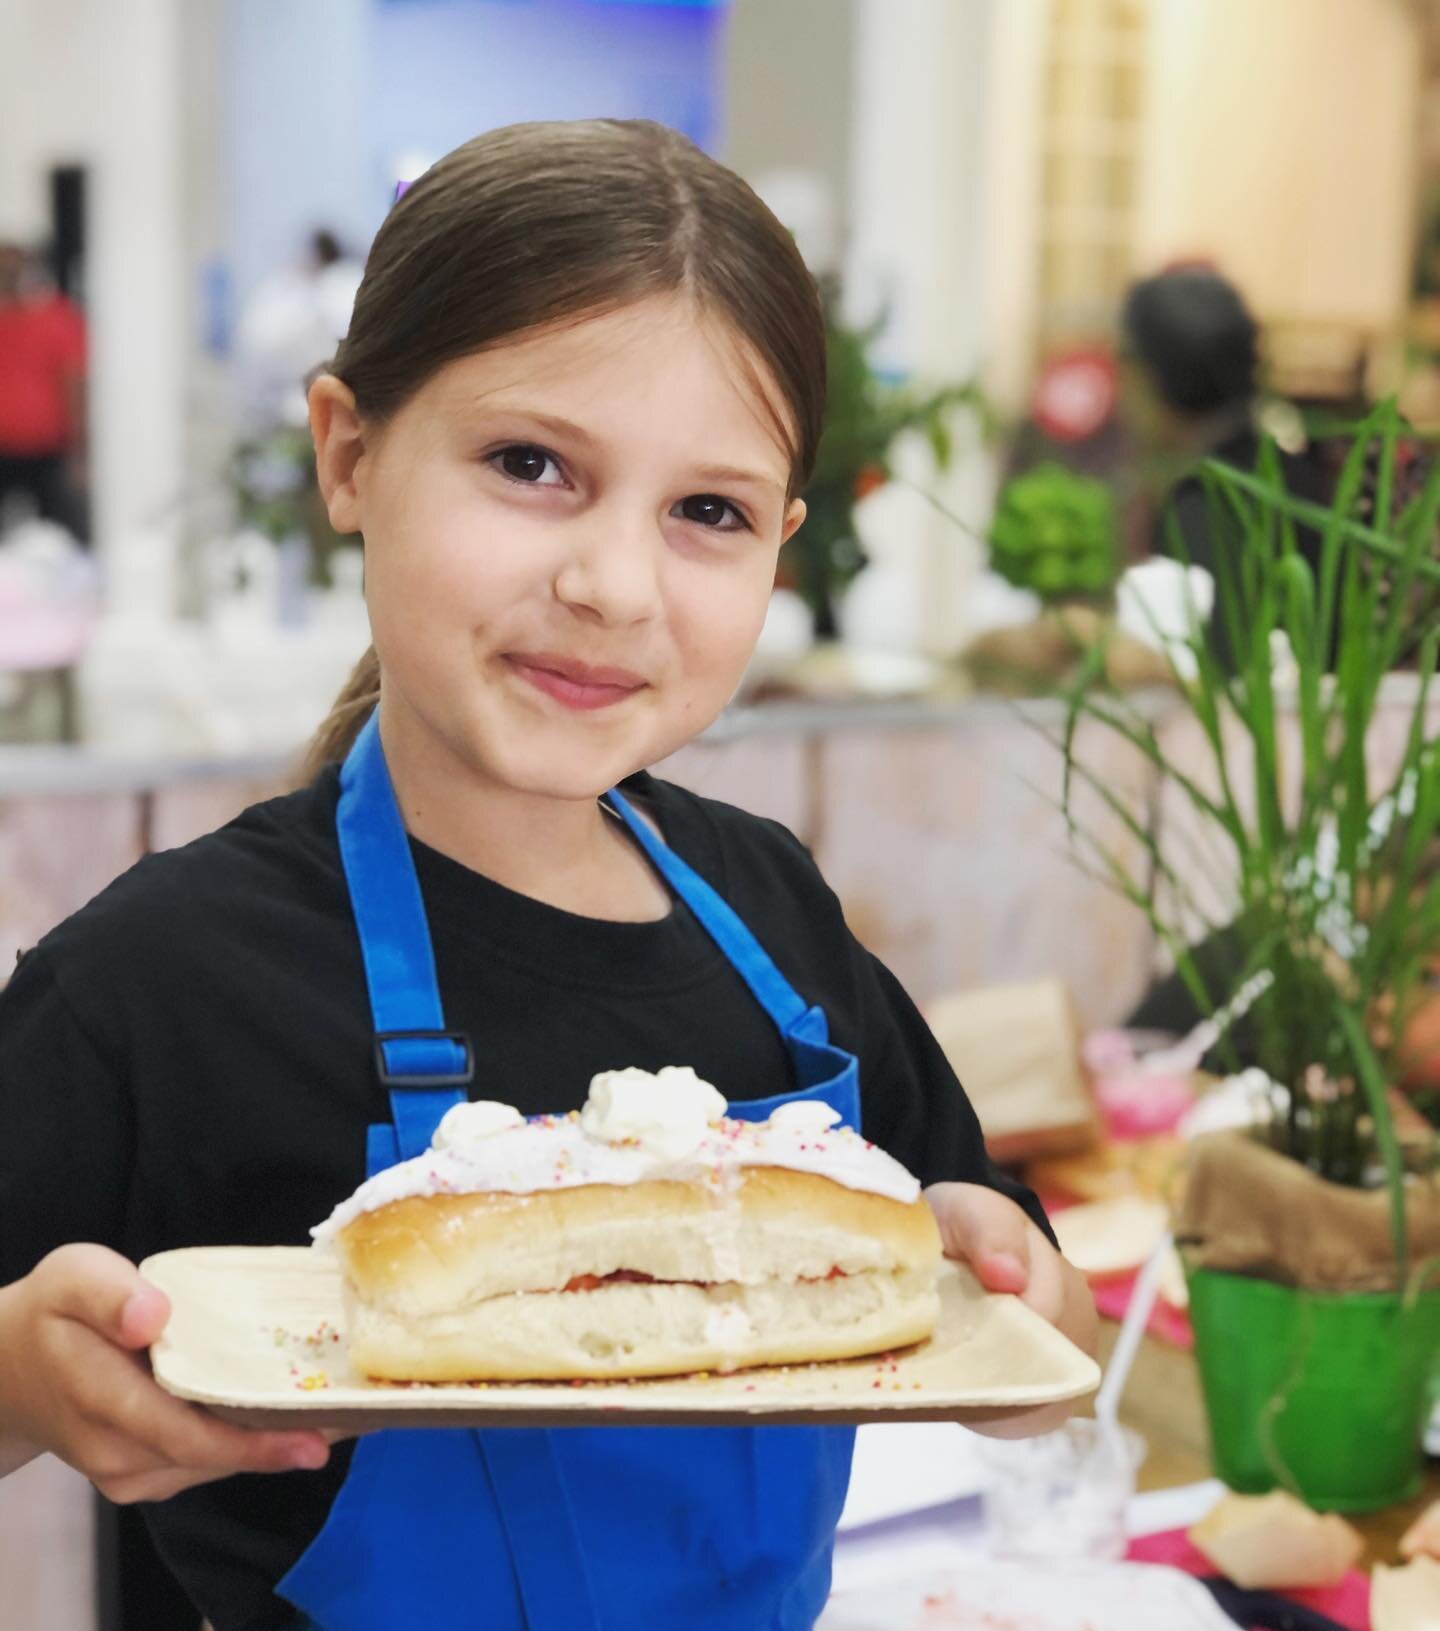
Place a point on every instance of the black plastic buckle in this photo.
(389, 1078)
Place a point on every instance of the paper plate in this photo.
(257, 1335)
(1110, 1237)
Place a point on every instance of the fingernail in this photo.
(309, 1456)
(1006, 1266)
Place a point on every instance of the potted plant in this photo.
(1310, 1238)
(864, 415)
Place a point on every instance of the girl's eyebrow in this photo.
(730, 474)
(547, 421)
(558, 426)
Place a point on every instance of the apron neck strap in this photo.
(423, 1066)
(751, 961)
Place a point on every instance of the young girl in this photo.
(581, 391)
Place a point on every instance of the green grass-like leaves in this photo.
(1327, 868)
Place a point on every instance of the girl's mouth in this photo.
(573, 684)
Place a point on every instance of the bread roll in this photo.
(788, 1267)
(615, 1243)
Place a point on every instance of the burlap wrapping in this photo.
(1248, 1210)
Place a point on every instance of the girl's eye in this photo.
(710, 510)
(522, 461)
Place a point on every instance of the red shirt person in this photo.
(42, 392)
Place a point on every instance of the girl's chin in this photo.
(562, 770)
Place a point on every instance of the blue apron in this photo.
(580, 1528)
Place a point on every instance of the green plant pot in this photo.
(1320, 1393)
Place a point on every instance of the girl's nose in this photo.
(612, 572)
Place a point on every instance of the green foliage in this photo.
(1054, 532)
(272, 478)
(1328, 871)
(864, 416)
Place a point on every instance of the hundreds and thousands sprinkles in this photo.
(307, 1348)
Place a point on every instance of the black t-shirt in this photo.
(188, 1061)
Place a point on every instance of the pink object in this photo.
(1135, 1102)
(35, 634)
(1348, 1603)
(49, 598)
(1107, 1050)
(1076, 394)
(1137, 1105)
(1168, 1323)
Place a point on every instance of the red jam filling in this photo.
(593, 1282)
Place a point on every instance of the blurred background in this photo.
(187, 193)
(1069, 248)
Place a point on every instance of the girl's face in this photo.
(570, 543)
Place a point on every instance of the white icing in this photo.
(564, 1152)
(468, 1122)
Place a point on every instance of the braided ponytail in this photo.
(347, 716)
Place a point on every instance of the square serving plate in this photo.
(257, 1335)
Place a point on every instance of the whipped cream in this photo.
(668, 1112)
(635, 1127)
(468, 1122)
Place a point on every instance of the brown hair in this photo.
(542, 223)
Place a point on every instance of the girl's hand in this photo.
(992, 1235)
(74, 1380)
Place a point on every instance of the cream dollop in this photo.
(805, 1116)
(468, 1122)
(668, 1112)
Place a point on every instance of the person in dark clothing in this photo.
(1193, 355)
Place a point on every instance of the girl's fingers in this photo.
(1007, 1253)
(124, 1398)
(1045, 1292)
(102, 1291)
(114, 1422)
(985, 1229)
(143, 1316)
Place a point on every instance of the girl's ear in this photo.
(793, 517)
(339, 447)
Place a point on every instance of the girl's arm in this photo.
(76, 1319)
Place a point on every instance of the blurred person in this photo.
(1191, 372)
(291, 324)
(42, 395)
